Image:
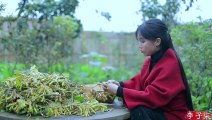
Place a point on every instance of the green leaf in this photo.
(79, 98)
(18, 83)
(21, 103)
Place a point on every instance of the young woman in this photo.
(160, 91)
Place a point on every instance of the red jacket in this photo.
(162, 88)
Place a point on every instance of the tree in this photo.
(44, 31)
(47, 9)
(2, 7)
(153, 9)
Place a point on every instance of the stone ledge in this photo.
(117, 113)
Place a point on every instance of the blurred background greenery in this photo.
(47, 34)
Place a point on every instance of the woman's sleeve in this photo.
(131, 84)
(121, 84)
(134, 82)
(165, 86)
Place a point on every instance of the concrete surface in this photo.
(116, 113)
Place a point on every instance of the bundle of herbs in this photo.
(34, 93)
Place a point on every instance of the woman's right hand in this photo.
(105, 84)
(114, 82)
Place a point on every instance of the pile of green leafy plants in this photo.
(34, 93)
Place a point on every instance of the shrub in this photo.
(194, 46)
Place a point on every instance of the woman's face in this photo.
(146, 46)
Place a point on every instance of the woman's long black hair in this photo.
(155, 28)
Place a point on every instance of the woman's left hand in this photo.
(111, 88)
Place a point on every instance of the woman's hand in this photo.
(114, 82)
(110, 87)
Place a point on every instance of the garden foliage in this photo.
(194, 44)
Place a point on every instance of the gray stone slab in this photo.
(116, 113)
